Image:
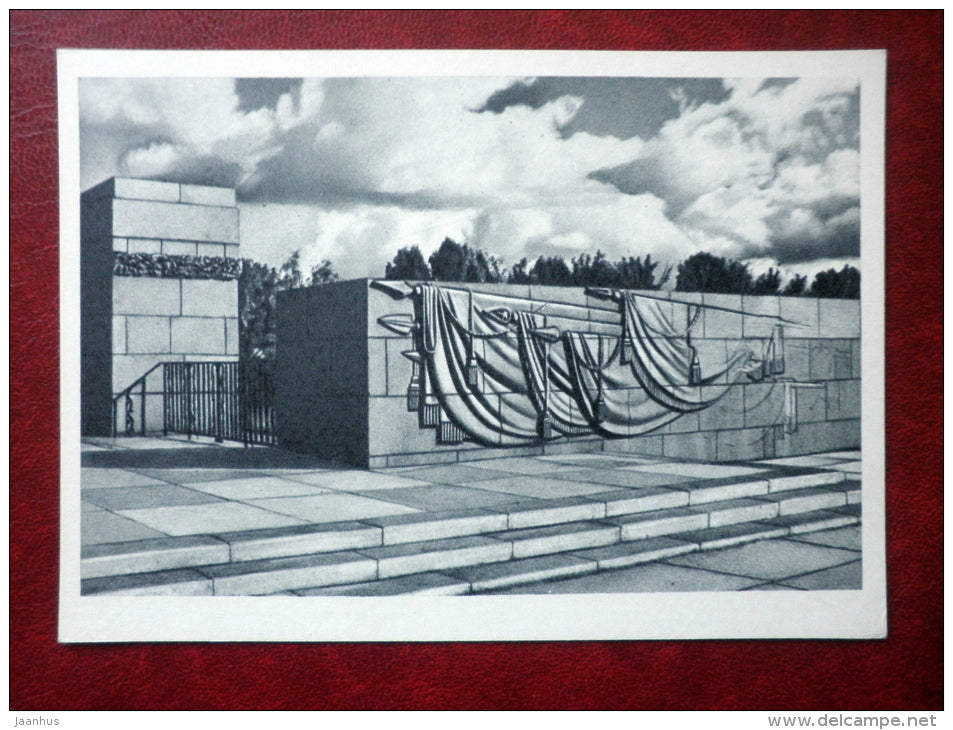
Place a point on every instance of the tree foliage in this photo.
(322, 273)
(408, 265)
(843, 284)
(704, 272)
(458, 262)
(767, 284)
(258, 287)
(795, 287)
(587, 270)
(700, 272)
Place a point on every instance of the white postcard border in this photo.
(859, 614)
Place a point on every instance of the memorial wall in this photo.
(392, 374)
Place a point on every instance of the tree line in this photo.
(259, 283)
(700, 272)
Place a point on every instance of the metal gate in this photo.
(224, 400)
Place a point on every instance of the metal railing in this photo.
(224, 400)
(128, 401)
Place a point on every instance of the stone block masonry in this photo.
(342, 378)
(131, 323)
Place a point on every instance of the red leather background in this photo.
(901, 672)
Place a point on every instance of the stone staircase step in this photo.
(819, 520)
(184, 582)
(715, 538)
(281, 542)
(423, 526)
(851, 489)
(724, 488)
(559, 538)
(624, 554)
(485, 548)
(806, 500)
(259, 577)
(650, 499)
(810, 478)
(437, 555)
(733, 511)
(149, 556)
(852, 510)
(655, 524)
(539, 513)
(418, 584)
(524, 570)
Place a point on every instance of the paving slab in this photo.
(94, 478)
(454, 474)
(596, 461)
(99, 526)
(441, 497)
(199, 519)
(698, 470)
(421, 584)
(620, 477)
(198, 474)
(650, 578)
(840, 578)
(844, 454)
(541, 487)
(848, 538)
(768, 560)
(526, 465)
(261, 487)
(353, 480)
(514, 572)
(331, 507)
(156, 495)
(810, 460)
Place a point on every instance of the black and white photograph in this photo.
(471, 345)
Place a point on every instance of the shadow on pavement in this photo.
(207, 458)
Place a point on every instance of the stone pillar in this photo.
(131, 323)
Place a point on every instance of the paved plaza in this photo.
(148, 491)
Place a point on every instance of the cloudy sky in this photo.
(352, 169)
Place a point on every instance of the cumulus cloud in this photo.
(750, 174)
(353, 169)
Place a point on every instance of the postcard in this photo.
(471, 345)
